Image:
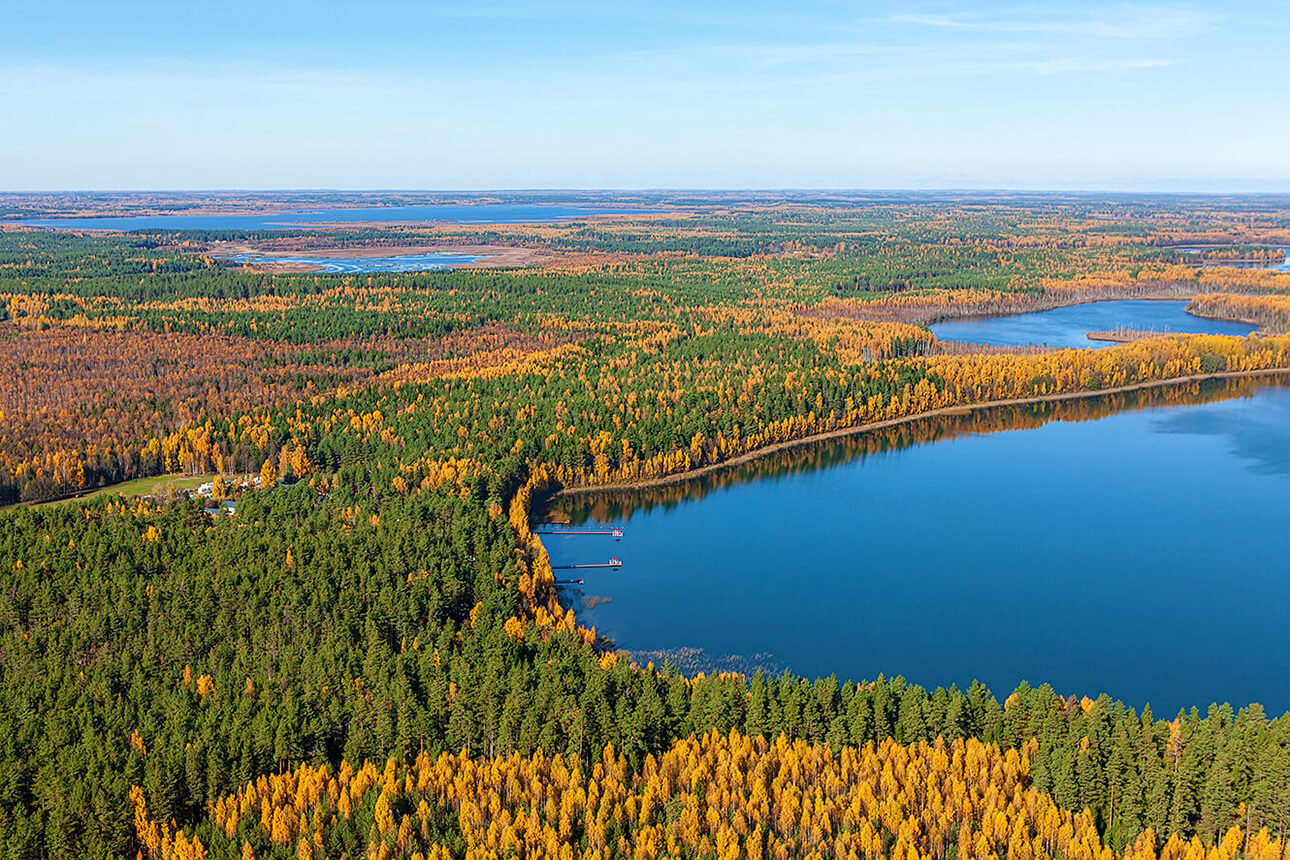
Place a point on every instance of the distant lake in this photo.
(484, 213)
(400, 263)
(1245, 264)
(1137, 545)
(1069, 326)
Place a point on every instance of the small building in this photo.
(226, 508)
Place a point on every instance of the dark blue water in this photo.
(484, 213)
(1069, 326)
(1145, 554)
(402, 263)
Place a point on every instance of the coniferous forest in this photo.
(370, 658)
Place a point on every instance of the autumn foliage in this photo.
(185, 686)
(727, 796)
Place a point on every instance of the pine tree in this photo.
(758, 719)
(911, 725)
(1218, 799)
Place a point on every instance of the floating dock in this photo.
(616, 534)
(614, 562)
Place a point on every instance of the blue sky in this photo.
(503, 94)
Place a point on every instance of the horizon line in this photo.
(1280, 188)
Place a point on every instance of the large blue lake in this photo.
(1069, 326)
(1137, 545)
(484, 213)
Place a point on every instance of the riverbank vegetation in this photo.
(380, 597)
(1271, 311)
(608, 504)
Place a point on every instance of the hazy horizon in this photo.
(1277, 190)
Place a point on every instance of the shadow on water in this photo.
(1256, 437)
(1258, 440)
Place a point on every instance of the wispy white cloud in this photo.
(1122, 22)
(784, 70)
(767, 55)
(1056, 66)
(568, 93)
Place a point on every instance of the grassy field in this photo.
(141, 487)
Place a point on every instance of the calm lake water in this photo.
(1143, 554)
(1247, 264)
(402, 263)
(1069, 326)
(485, 213)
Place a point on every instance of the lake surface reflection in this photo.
(1069, 326)
(1143, 553)
(1283, 266)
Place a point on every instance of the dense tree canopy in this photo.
(370, 657)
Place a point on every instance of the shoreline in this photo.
(1103, 336)
(961, 409)
(1261, 331)
(1188, 298)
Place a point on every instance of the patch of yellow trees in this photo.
(725, 796)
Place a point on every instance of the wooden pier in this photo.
(616, 534)
(614, 562)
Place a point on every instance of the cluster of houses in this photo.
(227, 507)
